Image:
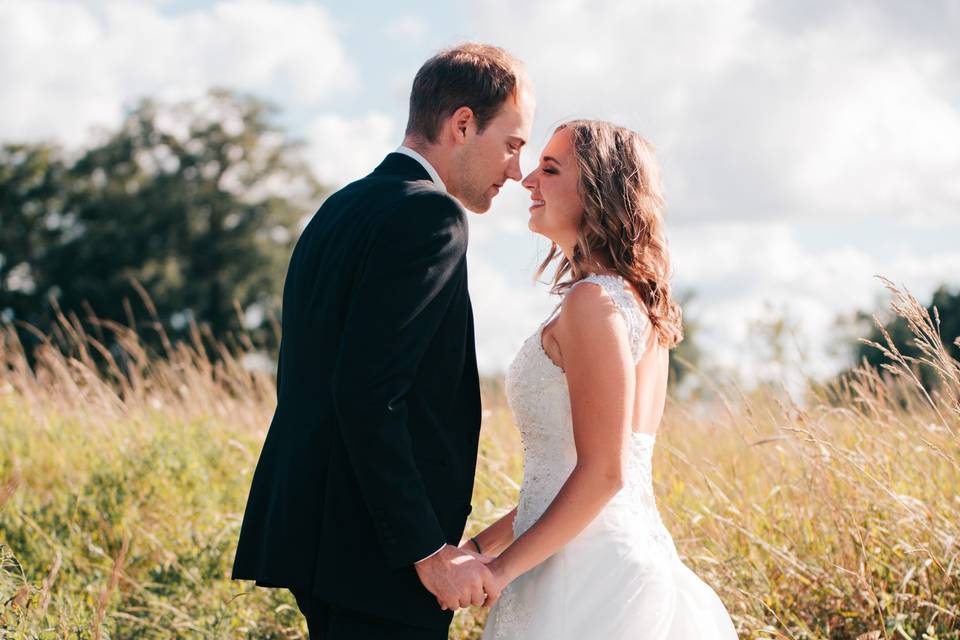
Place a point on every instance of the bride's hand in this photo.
(499, 582)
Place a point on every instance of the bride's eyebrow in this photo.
(552, 159)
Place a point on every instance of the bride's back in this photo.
(652, 375)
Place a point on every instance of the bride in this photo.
(584, 555)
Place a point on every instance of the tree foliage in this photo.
(945, 307)
(198, 203)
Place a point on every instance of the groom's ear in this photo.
(462, 123)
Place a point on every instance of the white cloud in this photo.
(758, 114)
(744, 273)
(68, 67)
(342, 149)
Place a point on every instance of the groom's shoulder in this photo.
(398, 189)
(399, 196)
(421, 209)
(426, 196)
(391, 202)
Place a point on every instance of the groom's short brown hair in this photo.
(479, 76)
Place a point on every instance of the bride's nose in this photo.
(530, 182)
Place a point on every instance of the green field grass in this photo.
(833, 516)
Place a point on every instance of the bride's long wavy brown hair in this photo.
(622, 198)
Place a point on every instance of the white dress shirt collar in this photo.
(407, 151)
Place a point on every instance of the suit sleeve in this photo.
(412, 270)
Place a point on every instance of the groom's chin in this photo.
(477, 207)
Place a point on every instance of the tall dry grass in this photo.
(123, 477)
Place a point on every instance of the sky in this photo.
(807, 146)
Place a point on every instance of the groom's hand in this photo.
(457, 579)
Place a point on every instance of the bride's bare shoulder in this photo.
(588, 311)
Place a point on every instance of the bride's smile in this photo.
(556, 209)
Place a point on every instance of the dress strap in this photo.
(638, 322)
(553, 314)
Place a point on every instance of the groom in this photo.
(363, 486)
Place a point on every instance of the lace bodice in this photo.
(538, 396)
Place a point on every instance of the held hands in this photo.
(459, 578)
(495, 566)
(499, 580)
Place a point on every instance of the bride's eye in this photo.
(549, 170)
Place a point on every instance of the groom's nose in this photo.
(513, 169)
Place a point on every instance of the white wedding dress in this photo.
(621, 577)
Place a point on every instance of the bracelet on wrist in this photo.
(476, 544)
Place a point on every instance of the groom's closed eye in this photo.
(515, 144)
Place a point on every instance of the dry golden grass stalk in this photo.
(832, 516)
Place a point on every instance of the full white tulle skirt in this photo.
(610, 585)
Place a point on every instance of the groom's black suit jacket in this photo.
(369, 461)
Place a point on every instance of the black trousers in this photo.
(330, 622)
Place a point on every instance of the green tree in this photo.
(947, 305)
(199, 202)
(32, 194)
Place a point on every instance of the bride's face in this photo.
(556, 209)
